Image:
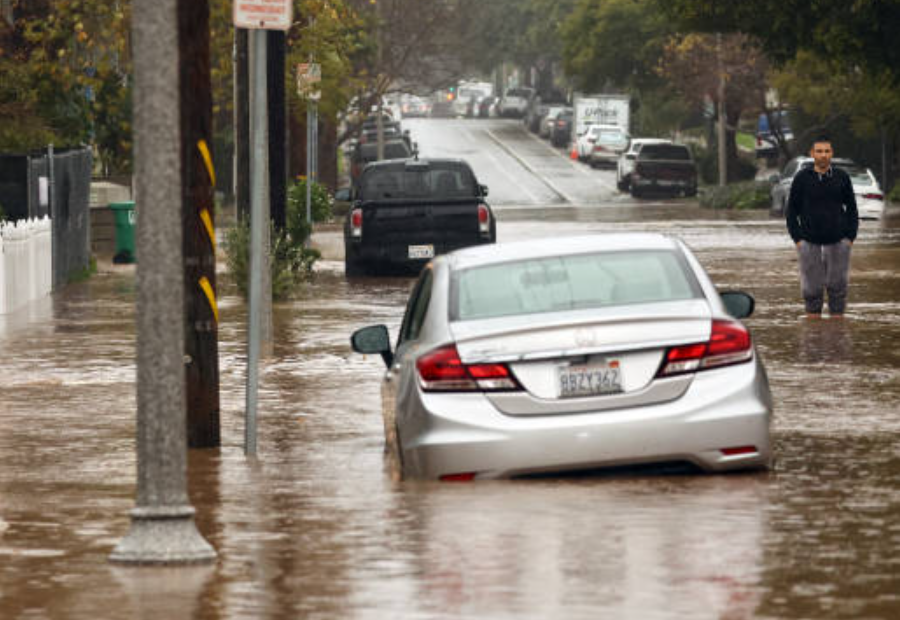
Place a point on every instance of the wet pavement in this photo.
(315, 528)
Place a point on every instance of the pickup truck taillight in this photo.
(484, 220)
(356, 223)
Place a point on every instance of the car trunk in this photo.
(665, 170)
(622, 347)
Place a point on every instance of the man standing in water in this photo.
(822, 220)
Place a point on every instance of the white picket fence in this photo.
(26, 267)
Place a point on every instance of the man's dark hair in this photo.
(822, 137)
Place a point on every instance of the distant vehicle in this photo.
(868, 193)
(467, 94)
(549, 120)
(412, 106)
(625, 163)
(561, 134)
(365, 153)
(668, 168)
(608, 145)
(574, 354)
(587, 140)
(515, 102)
(487, 107)
(766, 144)
(404, 213)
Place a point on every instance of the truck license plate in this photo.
(421, 251)
(590, 380)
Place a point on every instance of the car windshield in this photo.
(422, 181)
(664, 151)
(392, 150)
(552, 284)
(615, 137)
(518, 92)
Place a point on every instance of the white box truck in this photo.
(600, 110)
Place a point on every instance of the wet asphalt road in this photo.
(315, 528)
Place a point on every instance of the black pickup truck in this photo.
(405, 212)
(668, 168)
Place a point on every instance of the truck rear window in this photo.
(432, 182)
(665, 151)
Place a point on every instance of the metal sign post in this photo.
(309, 75)
(258, 16)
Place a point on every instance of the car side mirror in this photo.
(739, 304)
(343, 195)
(373, 339)
(484, 190)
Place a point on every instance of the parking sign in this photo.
(264, 14)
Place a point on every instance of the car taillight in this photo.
(729, 343)
(484, 220)
(356, 223)
(442, 370)
(873, 196)
(598, 148)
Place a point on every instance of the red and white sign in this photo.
(264, 14)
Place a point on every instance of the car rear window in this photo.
(422, 181)
(665, 151)
(571, 283)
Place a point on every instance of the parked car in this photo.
(562, 355)
(487, 107)
(365, 153)
(609, 143)
(586, 141)
(412, 106)
(868, 193)
(668, 168)
(406, 212)
(515, 102)
(561, 133)
(625, 163)
(467, 94)
(766, 144)
(549, 120)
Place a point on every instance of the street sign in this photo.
(309, 74)
(264, 14)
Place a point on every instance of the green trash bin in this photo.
(126, 220)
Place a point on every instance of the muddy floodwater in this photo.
(315, 528)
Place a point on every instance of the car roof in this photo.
(482, 255)
(650, 141)
(422, 161)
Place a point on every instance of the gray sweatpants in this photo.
(824, 268)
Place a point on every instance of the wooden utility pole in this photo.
(277, 129)
(201, 315)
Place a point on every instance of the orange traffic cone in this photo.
(573, 152)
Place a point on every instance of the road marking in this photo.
(565, 197)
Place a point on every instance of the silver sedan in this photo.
(565, 355)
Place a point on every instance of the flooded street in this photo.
(315, 528)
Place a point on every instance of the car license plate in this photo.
(421, 251)
(590, 379)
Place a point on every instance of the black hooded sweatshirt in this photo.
(822, 208)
